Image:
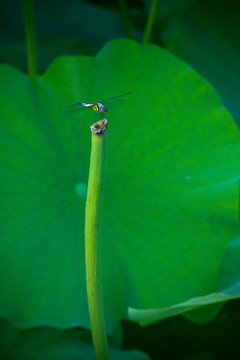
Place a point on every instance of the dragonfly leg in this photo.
(102, 114)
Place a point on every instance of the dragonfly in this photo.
(99, 107)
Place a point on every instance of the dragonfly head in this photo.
(105, 109)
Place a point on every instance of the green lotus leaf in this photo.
(45, 343)
(229, 275)
(170, 198)
(150, 316)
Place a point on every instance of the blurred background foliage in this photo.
(203, 33)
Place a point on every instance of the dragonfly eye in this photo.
(105, 109)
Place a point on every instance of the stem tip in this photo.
(99, 127)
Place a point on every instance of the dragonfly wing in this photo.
(77, 104)
(73, 111)
(111, 101)
(115, 97)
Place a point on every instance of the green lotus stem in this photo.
(92, 231)
(30, 37)
(150, 21)
(239, 201)
(126, 18)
